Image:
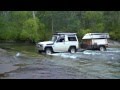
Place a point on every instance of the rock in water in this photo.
(18, 54)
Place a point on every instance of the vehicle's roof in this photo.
(97, 33)
(64, 33)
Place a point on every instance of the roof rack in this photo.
(60, 33)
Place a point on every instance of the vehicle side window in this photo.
(72, 39)
(61, 40)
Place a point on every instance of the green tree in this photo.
(29, 31)
(40, 25)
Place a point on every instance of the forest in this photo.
(34, 26)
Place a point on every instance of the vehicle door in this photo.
(59, 45)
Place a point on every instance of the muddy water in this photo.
(81, 65)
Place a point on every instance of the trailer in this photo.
(95, 41)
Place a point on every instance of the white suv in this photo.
(61, 42)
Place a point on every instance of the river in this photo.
(28, 64)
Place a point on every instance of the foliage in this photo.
(29, 31)
(34, 26)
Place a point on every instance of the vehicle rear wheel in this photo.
(39, 51)
(48, 51)
(102, 48)
(72, 50)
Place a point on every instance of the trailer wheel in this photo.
(102, 48)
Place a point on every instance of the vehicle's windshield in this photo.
(54, 38)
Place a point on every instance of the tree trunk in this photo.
(52, 25)
(33, 12)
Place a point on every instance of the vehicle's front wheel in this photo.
(102, 48)
(48, 51)
(72, 50)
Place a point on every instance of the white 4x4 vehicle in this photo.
(61, 42)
